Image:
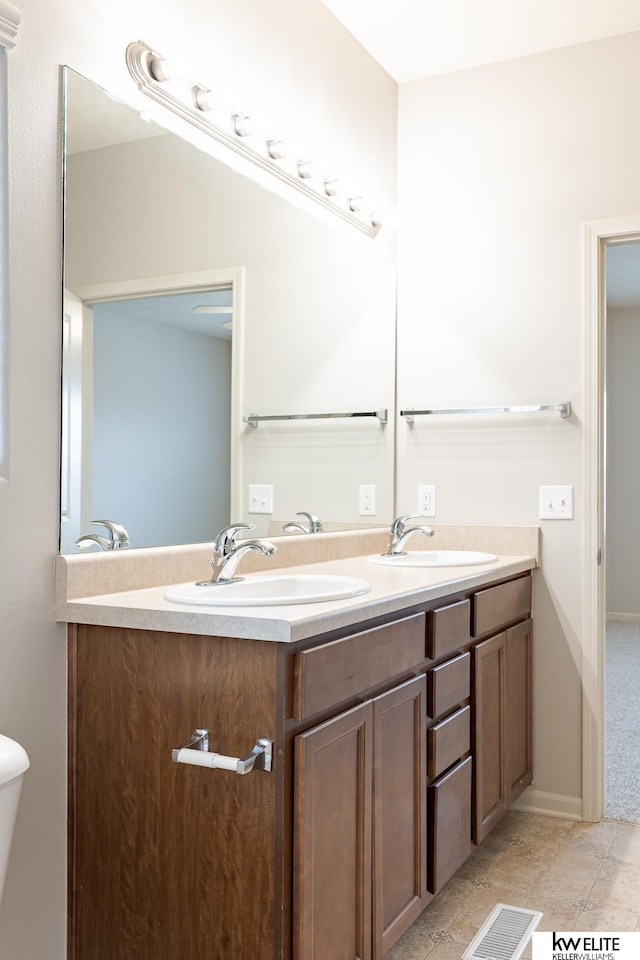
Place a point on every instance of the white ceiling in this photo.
(413, 39)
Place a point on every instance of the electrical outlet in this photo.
(260, 498)
(426, 500)
(367, 499)
(556, 503)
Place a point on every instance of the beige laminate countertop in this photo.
(392, 590)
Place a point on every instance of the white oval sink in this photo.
(270, 591)
(435, 558)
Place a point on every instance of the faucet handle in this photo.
(225, 540)
(398, 525)
(118, 536)
(315, 523)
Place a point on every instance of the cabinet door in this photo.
(399, 812)
(169, 861)
(519, 708)
(489, 749)
(332, 839)
(449, 823)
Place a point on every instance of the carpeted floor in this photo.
(622, 722)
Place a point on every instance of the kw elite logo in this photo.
(586, 946)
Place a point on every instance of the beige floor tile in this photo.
(615, 893)
(556, 914)
(517, 871)
(438, 916)
(492, 847)
(611, 920)
(563, 886)
(546, 829)
(626, 843)
(578, 862)
(604, 828)
(412, 946)
(512, 824)
(580, 876)
(620, 872)
(482, 901)
(476, 869)
(446, 951)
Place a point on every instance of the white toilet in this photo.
(14, 762)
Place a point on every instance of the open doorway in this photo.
(150, 385)
(622, 531)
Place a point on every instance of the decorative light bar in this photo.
(563, 408)
(196, 103)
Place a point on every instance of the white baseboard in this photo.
(549, 804)
(624, 617)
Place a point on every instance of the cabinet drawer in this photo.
(335, 671)
(448, 685)
(495, 607)
(448, 628)
(447, 741)
(449, 812)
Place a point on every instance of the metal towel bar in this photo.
(196, 751)
(563, 408)
(254, 419)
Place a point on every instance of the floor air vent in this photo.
(504, 934)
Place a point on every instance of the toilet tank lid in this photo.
(13, 760)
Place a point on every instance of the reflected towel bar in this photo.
(563, 408)
(253, 419)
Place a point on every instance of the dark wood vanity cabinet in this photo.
(360, 852)
(503, 703)
(359, 837)
(394, 745)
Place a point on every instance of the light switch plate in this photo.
(260, 498)
(556, 503)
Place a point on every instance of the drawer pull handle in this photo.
(196, 751)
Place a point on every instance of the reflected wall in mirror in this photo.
(154, 434)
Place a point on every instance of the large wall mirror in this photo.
(194, 297)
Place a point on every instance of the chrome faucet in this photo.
(118, 537)
(227, 554)
(400, 535)
(315, 524)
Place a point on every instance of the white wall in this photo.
(623, 461)
(161, 423)
(498, 169)
(287, 61)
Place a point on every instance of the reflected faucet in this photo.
(227, 554)
(315, 524)
(118, 537)
(400, 535)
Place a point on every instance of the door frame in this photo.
(183, 283)
(596, 236)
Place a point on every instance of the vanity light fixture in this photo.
(306, 170)
(277, 149)
(160, 68)
(194, 102)
(204, 98)
(242, 125)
